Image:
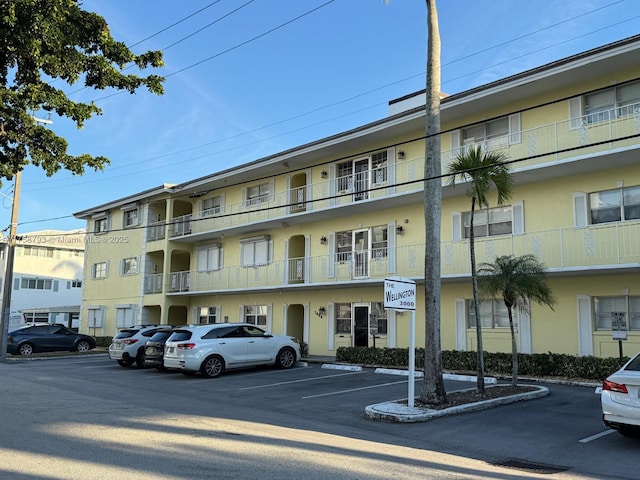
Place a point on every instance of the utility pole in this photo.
(8, 276)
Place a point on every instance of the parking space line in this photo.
(299, 381)
(339, 392)
(596, 436)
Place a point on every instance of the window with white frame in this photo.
(343, 317)
(100, 270)
(211, 206)
(37, 251)
(605, 307)
(494, 133)
(129, 266)
(258, 194)
(493, 314)
(209, 258)
(618, 101)
(488, 222)
(380, 313)
(36, 283)
(379, 242)
(130, 217)
(255, 251)
(615, 205)
(125, 316)
(256, 315)
(379, 167)
(344, 250)
(207, 315)
(101, 224)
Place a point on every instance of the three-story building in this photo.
(300, 242)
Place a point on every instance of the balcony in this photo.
(153, 283)
(604, 246)
(590, 134)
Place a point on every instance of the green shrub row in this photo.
(499, 364)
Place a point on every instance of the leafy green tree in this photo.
(483, 172)
(518, 280)
(45, 41)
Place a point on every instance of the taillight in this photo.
(185, 346)
(130, 341)
(614, 387)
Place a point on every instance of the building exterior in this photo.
(300, 242)
(47, 276)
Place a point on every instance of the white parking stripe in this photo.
(299, 381)
(354, 389)
(596, 436)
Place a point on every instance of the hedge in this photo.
(498, 364)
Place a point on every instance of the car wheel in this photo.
(140, 358)
(83, 346)
(125, 363)
(212, 367)
(25, 349)
(286, 358)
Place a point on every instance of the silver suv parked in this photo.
(127, 346)
(212, 349)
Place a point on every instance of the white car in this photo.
(620, 398)
(128, 345)
(212, 349)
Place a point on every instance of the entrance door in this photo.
(361, 325)
(361, 253)
(361, 179)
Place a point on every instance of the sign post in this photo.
(400, 295)
(619, 328)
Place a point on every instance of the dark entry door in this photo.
(361, 326)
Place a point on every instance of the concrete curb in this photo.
(398, 412)
(336, 366)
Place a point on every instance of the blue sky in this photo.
(249, 78)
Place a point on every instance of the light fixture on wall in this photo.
(321, 312)
(400, 230)
(400, 154)
(324, 174)
(323, 240)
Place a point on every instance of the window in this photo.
(255, 251)
(379, 242)
(124, 316)
(605, 306)
(207, 315)
(379, 167)
(101, 225)
(343, 317)
(211, 206)
(36, 284)
(37, 251)
(256, 314)
(615, 205)
(129, 266)
(612, 103)
(493, 314)
(76, 284)
(488, 222)
(258, 194)
(494, 132)
(99, 270)
(130, 217)
(377, 309)
(343, 246)
(209, 258)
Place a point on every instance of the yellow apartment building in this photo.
(300, 242)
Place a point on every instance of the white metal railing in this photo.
(153, 283)
(569, 248)
(156, 231)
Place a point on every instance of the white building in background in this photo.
(47, 276)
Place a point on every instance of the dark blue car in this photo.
(47, 338)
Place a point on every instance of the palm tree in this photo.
(433, 390)
(483, 172)
(516, 279)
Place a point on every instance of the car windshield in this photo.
(126, 334)
(161, 336)
(634, 364)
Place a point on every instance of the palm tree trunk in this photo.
(514, 351)
(433, 386)
(476, 307)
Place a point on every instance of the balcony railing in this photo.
(153, 283)
(606, 245)
(156, 231)
(555, 141)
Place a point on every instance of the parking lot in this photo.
(562, 432)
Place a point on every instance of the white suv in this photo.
(212, 349)
(127, 346)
